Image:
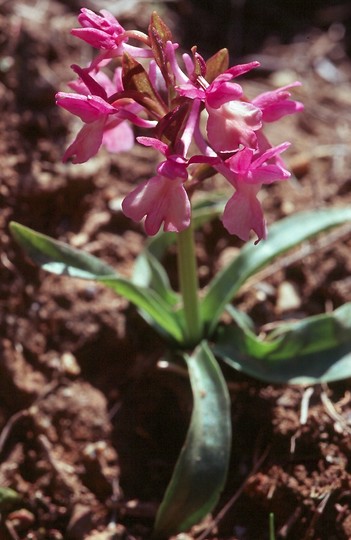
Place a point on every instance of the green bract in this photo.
(313, 350)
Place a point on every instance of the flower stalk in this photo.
(189, 286)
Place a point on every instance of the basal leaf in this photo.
(202, 466)
(59, 258)
(282, 236)
(314, 350)
(149, 272)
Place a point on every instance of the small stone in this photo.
(288, 208)
(79, 240)
(288, 298)
(70, 364)
(227, 256)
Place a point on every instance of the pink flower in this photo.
(105, 123)
(276, 103)
(104, 32)
(231, 121)
(223, 90)
(89, 108)
(243, 213)
(161, 200)
(101, 31)
(102, 126)
(266, 168)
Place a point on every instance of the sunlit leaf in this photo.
(282, 236)
(201, 469)
(149, 272)
(60, 258)
(314, 350)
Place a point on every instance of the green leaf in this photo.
(282, 236)
(314, 350)
(149, 272)
(201, 470)
(59, 258)
(8, 499)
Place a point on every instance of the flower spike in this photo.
(170, 99)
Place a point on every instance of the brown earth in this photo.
(90, 427)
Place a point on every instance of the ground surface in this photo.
(90, 428)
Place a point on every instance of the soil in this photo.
(90, 427)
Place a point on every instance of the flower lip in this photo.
(159, 200)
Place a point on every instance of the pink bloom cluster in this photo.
(159, 95)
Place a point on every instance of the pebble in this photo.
(287, 297)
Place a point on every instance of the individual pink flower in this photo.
(105, 33)
(232, 121)
(276, 103)
(104, 123)
(95, 113)
(161, 200)
(243, 211)
(101, 31)
(264, 168)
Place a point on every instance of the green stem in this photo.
(189, 286)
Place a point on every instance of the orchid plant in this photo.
(196, 115)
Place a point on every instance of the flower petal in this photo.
(87, 142)
(276, 103)
(118, 137)
(88, 108)
(232, 124)
(243, 213)
(161, 200)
